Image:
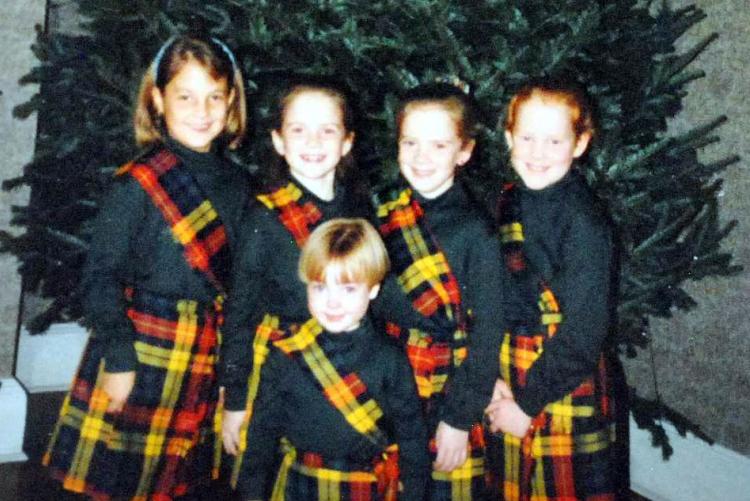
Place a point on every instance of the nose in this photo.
(313, 139)
(420, 153)
(537, 149)
(202, 107)
(332, 300)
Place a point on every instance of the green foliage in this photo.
(661, 196)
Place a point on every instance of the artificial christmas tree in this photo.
(661, 197)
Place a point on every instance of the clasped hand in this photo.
(503, 413)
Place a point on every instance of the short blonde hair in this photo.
(216, 59)
(350, 248)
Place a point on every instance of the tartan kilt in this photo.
(431, 362)
(568, 454)
(307, 476)
(160, 445)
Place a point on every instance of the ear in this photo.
(581, 144)
(278, 142)
(374, 291)
(346, 147)
(465, 154)
(509, 139)
(157, 99)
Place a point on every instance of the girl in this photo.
(443, 303)
(313, 136)
(553, 405)
(136, 421)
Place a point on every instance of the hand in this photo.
(501, 390)
(117, 386)
(506, 416)
(231, 422)
(452, 447)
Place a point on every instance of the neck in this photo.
(323, 188)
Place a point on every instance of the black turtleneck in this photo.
(265, 281)
(463, 233)
(568, 242)
(132, 245)
(290, 404)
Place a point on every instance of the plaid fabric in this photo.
(298, 219)
(427, 280)
(194, 222)
(566, 455)
(159, 446)
(267, 331)
(310, 476)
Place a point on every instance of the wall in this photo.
(703, 356)
(16, 35)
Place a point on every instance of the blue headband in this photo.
(159, 55)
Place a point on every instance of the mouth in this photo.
(201, 127)
(313, 158)
(536, 168)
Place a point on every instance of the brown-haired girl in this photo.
(313, 137)
(137, 420)
(445, 302)
(553, 404)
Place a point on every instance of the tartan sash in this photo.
(565, 455)
(159, 446)
(299, 219)
(343, 388)
(427, 280)
(194, 222)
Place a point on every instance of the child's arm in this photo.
(583, 288)
(506, 416)
(117, 385)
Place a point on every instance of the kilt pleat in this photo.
(160, 445)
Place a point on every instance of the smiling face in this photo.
(339, 306)
(430, 149)
(543, 144)
(312, 139)
(194, 106)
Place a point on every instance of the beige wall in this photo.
(16, 35)
(703, 356)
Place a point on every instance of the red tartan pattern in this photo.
(159, 446)
(298, 219)
(187, 211)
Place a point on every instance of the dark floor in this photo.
(28, 481)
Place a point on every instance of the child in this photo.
(553, 403)
(139, 412)
(313, 136)
(339, 392)
(444, 305)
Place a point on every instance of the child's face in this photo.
(429, 149)
(543, 144)
(313, 137)
(194, 106)
(339, 306)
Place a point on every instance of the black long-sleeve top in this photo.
(132, 245)
(290, 404)
(568, 241)
(472, 251)
(265, 281)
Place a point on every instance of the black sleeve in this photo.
(409, 427)
(107, 270)
(582, 287)
(264, 431)
(470, 387)
(241, 311)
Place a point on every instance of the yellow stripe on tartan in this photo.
(505, 357)
(187, 228)
(512, 465)
(426, 269)
(281, 197)
(512, 232)
(551, 318)
(402, 200)
(185, 334)
(553, 445)
(263, 333)
(473, 467)
(290, 456)
(588, 443)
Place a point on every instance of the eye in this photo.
(217, 97)
(295, 130)
(317, 286)
(525, 137)
(350, 288)
(441, 145)
(407, 143)
(183, 97)
(331, 131)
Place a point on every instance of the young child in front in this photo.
(553, 405)
(339, 392)
(445, 303)
(312, 135)
(137, 421)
